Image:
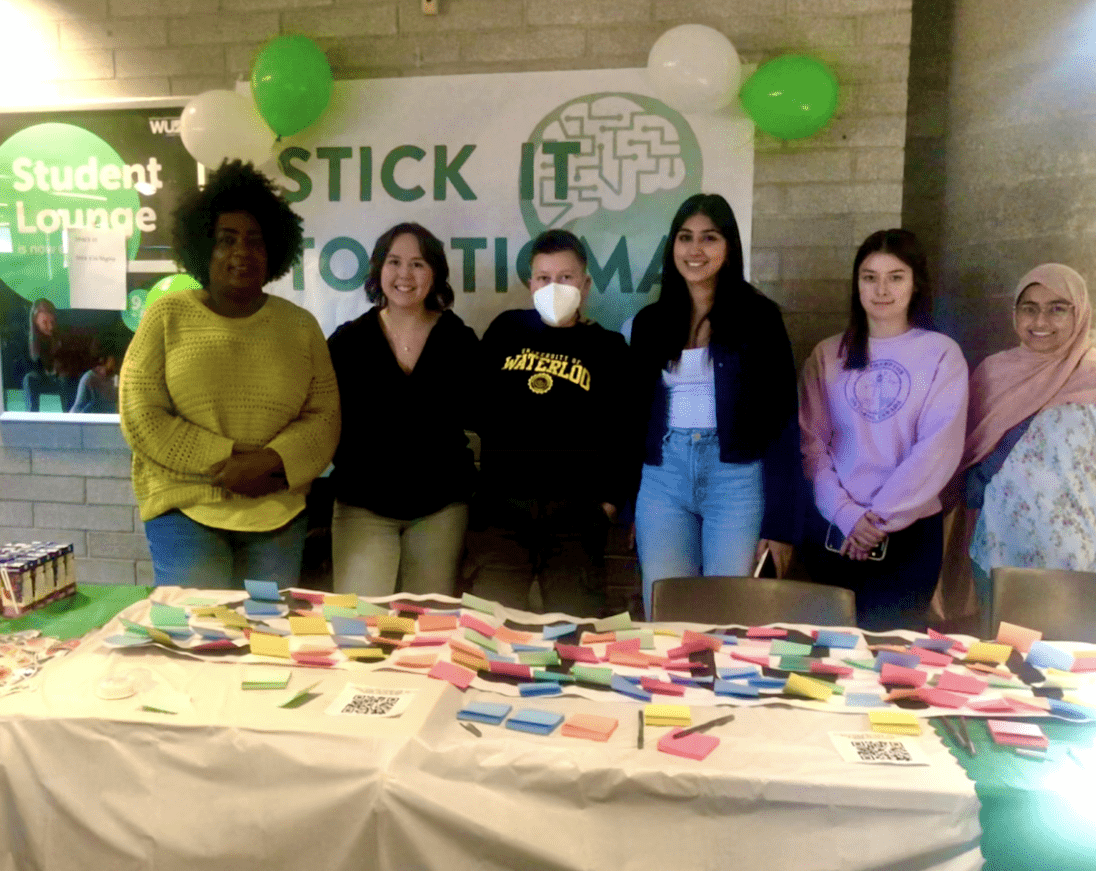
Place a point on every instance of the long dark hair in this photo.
(35, 336)
(906, 247)
(675, 305)
(440, 296)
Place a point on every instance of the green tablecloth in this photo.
(92, 607)
(1036, 816)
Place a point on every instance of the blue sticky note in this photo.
(833, 638)
(351, 641)
(864, 700)
(1071, 711)
(1043, 655)
(265, 591)
(498, 657)
(176, 632)
(906, 660)
(535, 721)
(626, 687)
(539, 689)
(739, 671)
(735, 688)
(211, 634)
(940, 645)
(255, 608)
(517, 648)
(701, 682)
(558, 631)
(484, 712)
(767, 683)
(347, 626)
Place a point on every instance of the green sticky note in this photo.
(477, 604)
(538, 657)
(368, 609)
(795, 663)
(168, 615)
(646, 637)
(135, 628)
(198, 601)
(623, 620)
(866, 664)
(554, 676)
(780, 647)
(482, 640)
(337, 611)
(592, 674)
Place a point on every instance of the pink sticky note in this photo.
(628, 657)
(436, 622)
(513, 636)
(961, 683)
(991, 706)
(694, 746)
(819, 667)
(710, 641)
(576, 653)
(314, 596)
(408, 608)
(1035, 703)
(907, 677)
(933, 658)
(955, 645)
(687, 648)
(941, 698)
(629, 646)
(683, 665)
(1015, 734)
(745, 657)
(315, 659)
(470, 622)
(513, 669)
(1084, 663)
(457, 676)
(657, 686)
(766, 632)
(1019, 637)
(427, 640)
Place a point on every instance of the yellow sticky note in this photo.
(341, 600)
(662, 630)
(159, 636)
(1066, 680)
(365, 653)
(667, 715)
(300, 625)
(1019, 637)
(206, 610)
(894, 722)
(230, 617)
(269, 645)
(809, 687)
(475, 663)
(392, 623)
(987, 651)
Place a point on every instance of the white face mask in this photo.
(557, 303)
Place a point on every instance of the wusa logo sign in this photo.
(164, 126)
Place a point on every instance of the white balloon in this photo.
(694, 68)
(223, 125)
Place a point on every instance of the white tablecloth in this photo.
(236, 783)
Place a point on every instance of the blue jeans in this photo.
(186, 553)
(696, 515)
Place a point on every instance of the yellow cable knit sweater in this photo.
(194, 384)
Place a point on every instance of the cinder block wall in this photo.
(814, 200)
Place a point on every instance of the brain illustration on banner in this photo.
(59, 176)
(630, 161)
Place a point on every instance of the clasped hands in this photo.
(865, 536)
(250, 472)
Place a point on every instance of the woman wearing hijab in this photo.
(1031, 443)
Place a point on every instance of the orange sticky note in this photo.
(437, 622)
(308, 625)
(417, 660)
(269, 645)
(590, 726)
(476, 663)
(513, 636)
(1019, 637)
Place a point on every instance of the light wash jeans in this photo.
(696, 515)
(186, 553)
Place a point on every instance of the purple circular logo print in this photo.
(878, 391)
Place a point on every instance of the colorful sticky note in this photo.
(592, 674)
(492, 713)
(780, 647)
(538, 657)
(894, 722)
(510, 636)
(535, 721)
(593, 727)
(269, 645)
(667, 715)
(539, 689)
(1043, 655)
(694, 746)
(646, 637)
(472, 661)
(1019, 637)
(737, 672)
(341, 600)
(597, 638)
(367, 653)
(627, 688)
(1015, 734)
(905, 660)
(833, 638)
(961, 683)
(330, 611)
(308, 625)
(735, 688)
(454, 674)
(159, 636)
(766, 632)
(624, 657)
(368, 609)
(168, 615)
(623, 620)
(477, 604)
(899, 676)
(558, 630)
(436, 622)
(392, 623)
(576, 653)
(795, 663)
(939, 698)
(657, 686)
(417, 660)
(712, 642)
(264, 591)
(864, 700)
(985, 651)
(256, 608)
(687, 648)
(348, 626)
(482, 627)
(263, 678)
(481, 639)
(809, 687)
(511, 669)
(819, 667)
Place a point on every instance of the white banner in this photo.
(487, 162)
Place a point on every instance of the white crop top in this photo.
(691, 388)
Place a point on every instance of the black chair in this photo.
(719, 601)
(1059, 603)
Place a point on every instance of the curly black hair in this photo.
(235, 187)
(441, 294)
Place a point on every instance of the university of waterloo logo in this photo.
(612, 168)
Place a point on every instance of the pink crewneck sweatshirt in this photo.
(886, 438)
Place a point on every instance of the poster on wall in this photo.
(85, 201)
(487, 162)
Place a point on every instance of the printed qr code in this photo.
(374, 706)
(881, 751)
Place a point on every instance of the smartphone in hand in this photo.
(835, 541)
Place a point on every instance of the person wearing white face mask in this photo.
(555, 464)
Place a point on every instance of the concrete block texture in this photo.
(97, 464)
(587, 12)
(32, 434)
(16, 513)
(99, 436)
(466, 15)
(109, 518)
(42, 488)
(222, 28)
(14, 460)
(118, 545)
(523, 45)
(109, 491)
(106, 571)
(177, 8)
(189, 60)
(113, 33)
(346, 20)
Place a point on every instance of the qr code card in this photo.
(371, 701)
(872, 747)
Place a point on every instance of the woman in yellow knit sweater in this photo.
(227, 396)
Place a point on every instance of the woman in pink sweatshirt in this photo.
(883, 418)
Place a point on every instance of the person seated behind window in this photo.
(97, 392)
(58, 357)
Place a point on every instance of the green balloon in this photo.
(791, 97)
(291, 83)
(170, 284)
